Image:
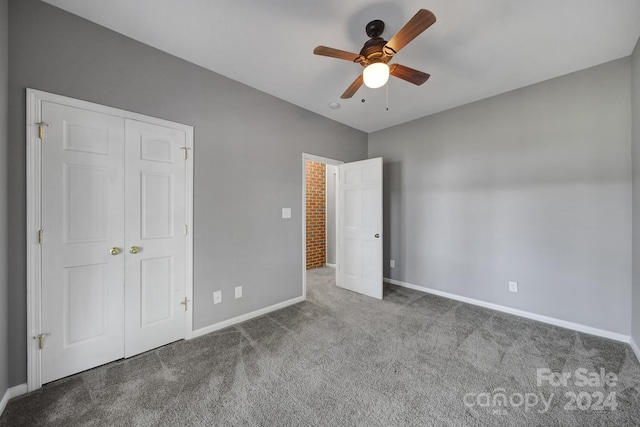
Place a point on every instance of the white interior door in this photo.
(82, 302)
(360, 227)
(113, 205)
(156, 217)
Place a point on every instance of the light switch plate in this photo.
(286, 213)
(238, 291)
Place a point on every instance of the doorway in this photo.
(320, 214)
(320, 182)
(358, 208)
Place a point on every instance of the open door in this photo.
(360, 227)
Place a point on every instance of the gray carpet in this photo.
(341, 359)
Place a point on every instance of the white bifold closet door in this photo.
(155, 217)
(113, 248)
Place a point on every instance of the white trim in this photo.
(328, 214)
(326, 161)
(545, 319)
(635, 348)
(34, 262)
(188, 288)
(320, 159)
(18, 390)
(245, 317)
(12, 392)
(330, 265)
(34, 220)
(5, 400)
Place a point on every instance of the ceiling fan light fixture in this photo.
(376, 75)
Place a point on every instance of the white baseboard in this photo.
(18, 390)
(5, 400)
(12, 392)
(545, 319)
(245, 317)
(330, 265)
(635, 348)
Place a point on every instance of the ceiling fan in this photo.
(377, 52)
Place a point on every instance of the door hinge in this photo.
(40, 236)
(40, 339)
(41, 126)
(186, 229)
(185, 303)
(186, 152)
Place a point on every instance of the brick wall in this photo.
(316, 212)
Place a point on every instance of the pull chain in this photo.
(387, 96)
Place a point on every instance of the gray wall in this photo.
(532, 185)
(4, 142)
(635, 110)
(331, 176)
(248, 163)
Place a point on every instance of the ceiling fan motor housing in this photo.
(373, 51)
(373, 48)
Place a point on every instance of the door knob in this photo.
(114, 251)
(377, 236)
(134, 250)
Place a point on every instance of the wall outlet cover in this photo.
(513, 286)
(217, 297)
(392, 263)
(238, 291)
(286, 213)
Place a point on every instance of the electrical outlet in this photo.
(513, 286)
(238, 291)
(217, 297)
(392, 264)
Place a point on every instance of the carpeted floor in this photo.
(342, 359)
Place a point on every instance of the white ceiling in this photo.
(476, 49)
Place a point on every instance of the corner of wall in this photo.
(4, 138)
(635, 150)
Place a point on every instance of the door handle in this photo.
(134, 249)
(114, 251)
(377, 236)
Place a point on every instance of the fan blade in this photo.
(351, 90)
(336, 53)
(408, 74)
(416, 25)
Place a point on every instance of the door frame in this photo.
(327, 161)
(34, 215)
